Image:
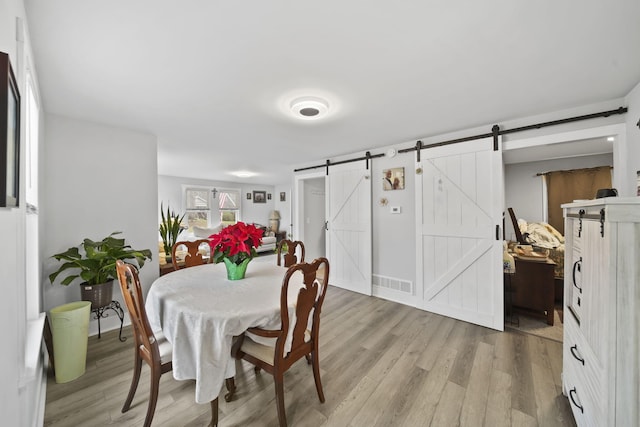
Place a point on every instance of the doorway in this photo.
(310, 214)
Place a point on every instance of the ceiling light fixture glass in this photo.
(244, 174)
(309, 107)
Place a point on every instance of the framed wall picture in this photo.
(268, 196)
(9, 135)
(283, 196)
(248, 196)
(393, 179)
(259, 197)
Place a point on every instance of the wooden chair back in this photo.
(308, 306)
(290, 256)
(132, 294)
(298, 334)
(147, 344)
(516, 228)
(193, 256)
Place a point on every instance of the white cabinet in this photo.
(601, 345)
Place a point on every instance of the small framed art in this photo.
(283, 196)
(259, 197)
(393, 179)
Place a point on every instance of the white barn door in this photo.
(459, 207)
(348, 238)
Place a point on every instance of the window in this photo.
(32, 248)
(229, 205)
(198, 207)
(32, 118)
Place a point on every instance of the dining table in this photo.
(200, 312)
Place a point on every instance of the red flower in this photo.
(236, 242)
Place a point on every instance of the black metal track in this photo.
(495, 131)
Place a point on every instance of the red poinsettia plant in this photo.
(236, 242)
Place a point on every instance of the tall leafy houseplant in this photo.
(169, 228)
(95, 266)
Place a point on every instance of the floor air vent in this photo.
(393, 284)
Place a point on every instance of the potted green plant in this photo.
(95, 265)
(170, 228)
(235, 245)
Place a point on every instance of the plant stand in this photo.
(101, 312)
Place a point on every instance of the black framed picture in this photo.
(259, 197)
(248, 196)
(283, 196)
(268, 196)
(9, 135)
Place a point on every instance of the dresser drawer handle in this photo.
(577, 266)
(571, 393)
(574, 353)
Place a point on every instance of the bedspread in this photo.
(543, 235)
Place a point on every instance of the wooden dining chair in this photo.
(151, 347)
(290, 256)
(193, 255)
(277, 358)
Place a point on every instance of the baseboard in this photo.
(42, 395)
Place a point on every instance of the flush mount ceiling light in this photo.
(309, 107)
(244, 174)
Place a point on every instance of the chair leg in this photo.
(279, 383)
(137, 367)
(316, 375)
(214, 413)
(153, 395)
(231, 386)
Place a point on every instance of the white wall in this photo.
(21, 397)
(524, 190)
(633, 138)
(170, 191)
(99, 180)
(284, 207)
(394, 234)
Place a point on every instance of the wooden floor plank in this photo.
(498, 413)
(475, 397)
(381, 364)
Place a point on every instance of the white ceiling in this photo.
(210, 78)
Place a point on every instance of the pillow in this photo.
(206, 232)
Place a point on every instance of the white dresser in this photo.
(601, 348)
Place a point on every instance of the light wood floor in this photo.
(382, 364)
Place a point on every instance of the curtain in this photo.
(570, 185)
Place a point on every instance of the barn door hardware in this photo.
(602, 222)
(496, 133)
(418, 148)
(580, 215)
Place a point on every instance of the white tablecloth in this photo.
(199, 311)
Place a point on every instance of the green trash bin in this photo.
(70, 330)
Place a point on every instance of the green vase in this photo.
(236, 271)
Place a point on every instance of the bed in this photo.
(541, 236)
(546, 239)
